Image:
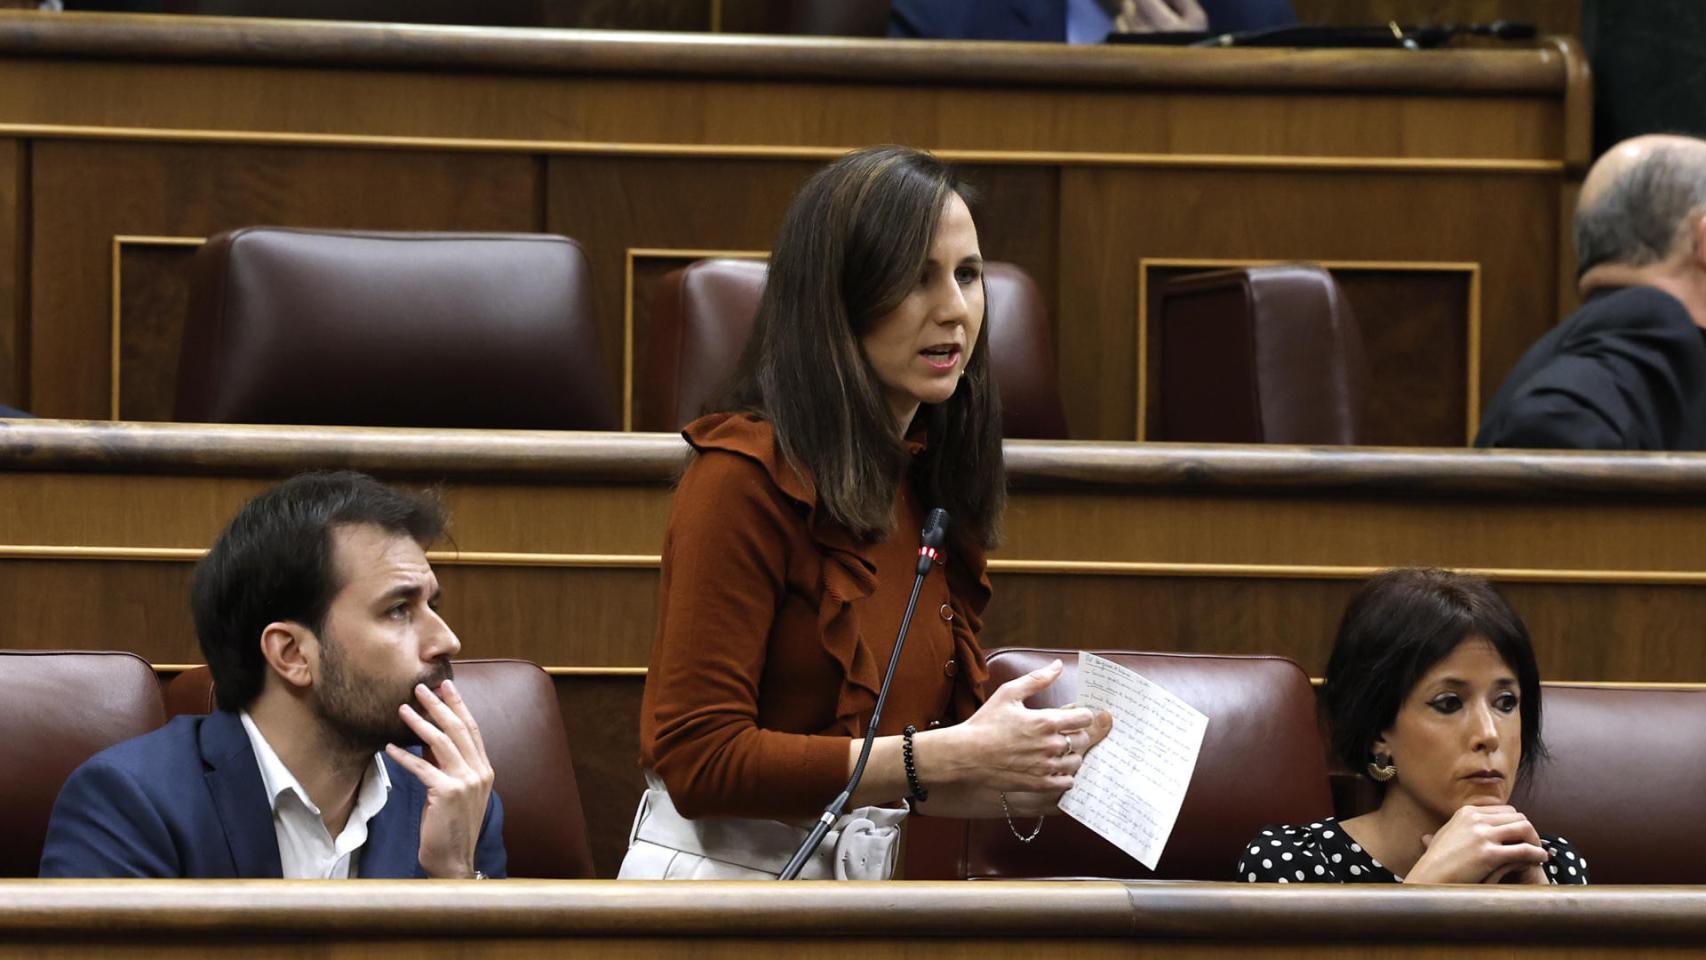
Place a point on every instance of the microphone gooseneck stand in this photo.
(935, 530)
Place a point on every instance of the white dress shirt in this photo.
(306, 849)
(1087, 22)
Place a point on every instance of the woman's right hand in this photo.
(1479, 845)
(1010, 747)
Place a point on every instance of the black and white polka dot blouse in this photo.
(1323, 853)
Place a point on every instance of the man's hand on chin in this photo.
(1160, 16)
(458, 779)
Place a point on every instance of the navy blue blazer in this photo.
(1045, 20)
(187, 800)
(1625, 372)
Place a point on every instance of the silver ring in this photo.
(1070, 749)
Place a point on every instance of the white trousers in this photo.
(664, 845)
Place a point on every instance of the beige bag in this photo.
(664, 845)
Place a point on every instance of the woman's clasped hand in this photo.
(1482, 844)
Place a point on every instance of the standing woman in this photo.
(863, 400)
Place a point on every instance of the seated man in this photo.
(1628, 370)
(317, 613)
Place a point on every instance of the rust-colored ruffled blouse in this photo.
(774, 627)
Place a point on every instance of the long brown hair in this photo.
(851, 247)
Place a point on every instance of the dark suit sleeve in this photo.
(490, 857)
(1233, 16)
(1626, 386)
(105, 825)
(1568, 405)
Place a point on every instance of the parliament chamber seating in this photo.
(1261, 355)
(1261, 763)
(515, 705)
(1626, 780)
(392, 329)
(703, 313)
(59, 709)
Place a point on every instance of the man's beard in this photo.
(359, 712)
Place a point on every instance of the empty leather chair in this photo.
(1260, 355)
(58, 710)
(1261, 763)
(702, 315)
(1626, 782)
(393, 329)
(515, 704)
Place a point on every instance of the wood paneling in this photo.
(1548, 16)
(1496, 222)
(1010, 919)
(613, 206)
(1572, 624)
(1117, 545)
(561, 52)
(153, 290)
(602, 718)
(735, 943)
(1088, 160)
(556, 617)
(1415, 326)
(14, 258)
(84, 194)
(593, 617)
(137, 607)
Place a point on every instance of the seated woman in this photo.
(1433, 689)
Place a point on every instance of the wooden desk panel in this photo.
(1110, 546)
(128, 136)
(556, 537)
(824, 919)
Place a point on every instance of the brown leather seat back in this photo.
(702, 315)
(58, 710)
(1626, 782)
(1260, 355)
(1021, 355)
(701, 318)
(190, 692)
(515, 704)
(1261, 763)
(393, 329)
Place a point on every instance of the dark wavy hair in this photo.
(1396, 628)
(274, 562)
(851, 247)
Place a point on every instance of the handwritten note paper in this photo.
(1131, 785)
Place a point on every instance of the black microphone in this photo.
(935, 531)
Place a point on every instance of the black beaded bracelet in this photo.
(918, 792)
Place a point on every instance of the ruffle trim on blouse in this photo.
(849, 574)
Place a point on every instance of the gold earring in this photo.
(1382, 771)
